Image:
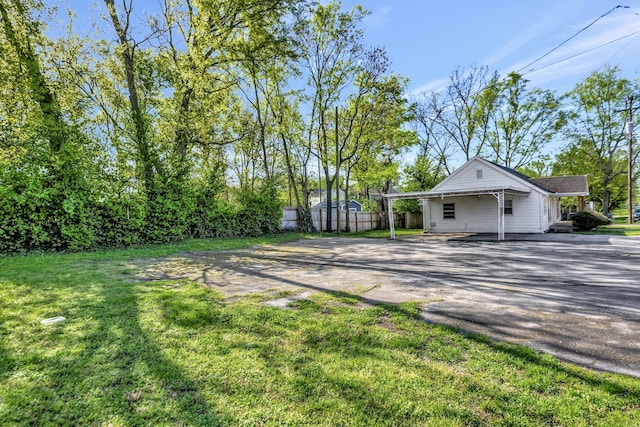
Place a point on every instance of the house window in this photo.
(449, 211)
(508, 207)
(479, 174)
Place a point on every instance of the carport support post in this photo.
(426, 215)
(391, 224)
(500, 197)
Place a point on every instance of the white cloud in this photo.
(378, 19)
(550, 21)
(432, 86)
(609, 41)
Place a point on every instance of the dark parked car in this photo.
(636, 214)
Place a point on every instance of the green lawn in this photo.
(618, 228)
(177, 353)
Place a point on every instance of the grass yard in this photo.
(618, 229)
(177, 353)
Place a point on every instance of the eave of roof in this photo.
(465, 193)
(563, 186)
(572, 185)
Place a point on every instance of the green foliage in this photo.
(588, 220)
(168, 212)
(539, 168)
(165, 130)
(523, 121)
(423, 175)
(119, 222)
(259, 212)
(45, 208)
(214, 216)
(597, 139)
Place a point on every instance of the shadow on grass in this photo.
(537, 358)
(100, 367)
(120, 373)
(143, 384)
(519, 352)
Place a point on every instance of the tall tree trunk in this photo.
(347, 226)
(262, 126)
(42, 93)
(329, 183)
(137, 114)
(305, 222)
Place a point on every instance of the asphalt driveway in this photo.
(576, 297)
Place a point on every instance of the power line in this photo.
(621, 49)
(572, 37)
(503, 79)
(587, 51)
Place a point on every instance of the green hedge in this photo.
(588, 220)
(37, 216)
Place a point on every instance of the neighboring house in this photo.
(483, 197)
(353, 205)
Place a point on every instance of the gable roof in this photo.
(520, 175)
(510, 178)
(571, 185)
(515, 183)
(574, 185)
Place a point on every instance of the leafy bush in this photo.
(169, 212)
(588, 220)
(260, 211)
(43, 209)
(119, 222)
(53, 209)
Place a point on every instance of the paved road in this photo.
(577, 297)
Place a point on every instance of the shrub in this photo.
(43, 209)
(588, 220)
(119, 221)
(260, 211)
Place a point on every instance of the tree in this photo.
(182, 81)
(45, 200)
(148, 159)
(597, 135)
(538, 168)
(455, 121)
(285, 110)
(422, 175)
(329, 44)
(373, 125)
(522, 122)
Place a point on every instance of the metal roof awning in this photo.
(460, 193)
(498, 193)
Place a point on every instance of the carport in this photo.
(426, 196)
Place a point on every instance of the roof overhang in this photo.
(425, 195)
(570, 194)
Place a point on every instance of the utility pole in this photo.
(337, 177)
(630, 162)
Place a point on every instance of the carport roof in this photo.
(464, 193)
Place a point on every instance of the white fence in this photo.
(358, 221)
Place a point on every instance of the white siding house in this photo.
(483, 197)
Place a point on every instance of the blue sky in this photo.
(427, 40)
